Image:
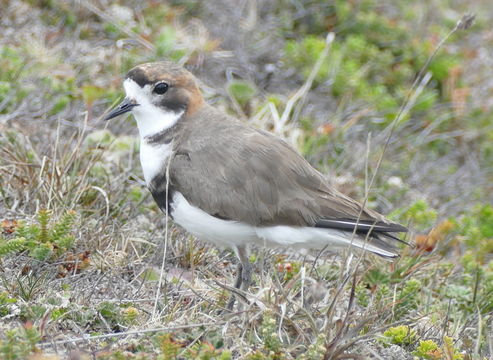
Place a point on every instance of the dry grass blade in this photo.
(103, 15)
(279, 126)
(165, 249)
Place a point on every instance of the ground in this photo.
(91, 268)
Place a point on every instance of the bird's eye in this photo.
(161, 88)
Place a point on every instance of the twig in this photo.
(154, 311)
(477, 345)
(106, 198)
(53, 167)
(93, 8)
(417, 87)
(129, 333)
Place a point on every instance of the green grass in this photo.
(81, 240)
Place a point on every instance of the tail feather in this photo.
(374, 245)
(379, 243)
(360, 225)
(369, 235)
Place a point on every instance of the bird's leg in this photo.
(238, 283)
(244, 273)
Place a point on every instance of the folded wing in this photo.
(262, 181)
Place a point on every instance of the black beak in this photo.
(125, 106)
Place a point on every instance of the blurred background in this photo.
(75, 211)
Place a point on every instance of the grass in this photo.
(82, 242)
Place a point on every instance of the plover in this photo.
(234, 185)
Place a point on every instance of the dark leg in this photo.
(244, 273)
(238, 282)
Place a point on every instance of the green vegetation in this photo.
(81, 240)
(400, 335)
(42, 240)
(369, 64)
(20, 343)
(429, 350)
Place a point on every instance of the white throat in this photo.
(150, 118)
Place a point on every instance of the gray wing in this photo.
(260, 171)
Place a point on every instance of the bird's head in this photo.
(158, 94)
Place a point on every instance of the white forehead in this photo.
(135, 92)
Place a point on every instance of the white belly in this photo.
(210, 228)
(227, 233)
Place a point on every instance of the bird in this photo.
(234, 185)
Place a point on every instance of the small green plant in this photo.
(205, 351)
(477, 230)
(268, 331)
(409, 297)
(451, 351)
(316, 350)
(166, 44)
(5, 303)
(130, 314)
(28, 286)
(242, 91)
(168, 346)
(420, 214)
(401, 335)
(288, 270)
(19, 343)
(12, 63)
(112, 314)
(44, 240)
(170, 349)
(428, 349)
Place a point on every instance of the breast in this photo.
(154, 159)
